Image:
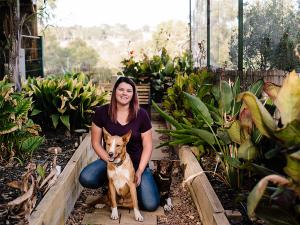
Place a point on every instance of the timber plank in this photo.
(205, 198)
(56, 205)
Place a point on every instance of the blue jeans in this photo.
(94, 176)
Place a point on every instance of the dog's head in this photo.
(116, 146)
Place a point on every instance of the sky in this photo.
(134, 13)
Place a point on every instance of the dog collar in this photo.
(163, 178)
(119, 163)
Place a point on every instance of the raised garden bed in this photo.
(230, 199)
(60, 199)
(14, 171)
(208, 205)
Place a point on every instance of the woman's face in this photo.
(124, 93)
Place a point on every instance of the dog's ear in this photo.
(106, 135)
(127, 136)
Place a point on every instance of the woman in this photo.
(121, 115)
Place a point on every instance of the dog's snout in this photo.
(110, 154)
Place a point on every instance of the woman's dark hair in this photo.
(133, 105)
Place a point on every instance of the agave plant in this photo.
(18, 134)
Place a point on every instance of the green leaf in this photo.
(55, 118)
(293, 166)
(169, 69)
(223, 135)
(41, 171)
(234, 132)
(23, 107)
(8, 128)
(35, 112)
(226, 97)
(65, 119)
(236, 89)
(257, 87)
(247, 150)
(232, 161)
(205, 135)
(32, 143)
(203, 90)
(288, 99)
(167, 117)
(199, 108)
(260, 116)
(290, 134)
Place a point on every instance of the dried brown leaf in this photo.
(23, 197)
(15, 184)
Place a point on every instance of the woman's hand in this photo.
(138, 177)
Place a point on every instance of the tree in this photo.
(81, 56)
(171, 35)
(265, 25)
(77, 55)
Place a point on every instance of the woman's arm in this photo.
(96, 142)
(146, 154)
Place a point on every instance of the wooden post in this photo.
(208, 34)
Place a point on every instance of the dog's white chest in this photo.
(120, 176)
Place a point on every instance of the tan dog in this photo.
(121, 175)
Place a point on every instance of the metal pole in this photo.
(240, 36)
(208, 34)
(190, 11)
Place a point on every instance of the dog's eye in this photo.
(118, 145)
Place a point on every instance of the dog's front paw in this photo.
(114, 213)
(99, 206)
(138, 216)
(168, 206)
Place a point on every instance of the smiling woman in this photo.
(134, 13)
(121, 116)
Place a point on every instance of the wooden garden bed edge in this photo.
(208, 205)
(59, 201)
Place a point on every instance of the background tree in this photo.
(270, 33)
(170, 35)
(101, 49)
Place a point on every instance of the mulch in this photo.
(230, 199)
(15, 170)
(183, 213)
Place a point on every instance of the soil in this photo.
(184, 211)
(15, 170)
(230, 199)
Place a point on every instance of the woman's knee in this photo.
(87, 180)
(93, 175)
(148, 193)
(151, 204)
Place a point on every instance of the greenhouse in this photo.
(150, 112)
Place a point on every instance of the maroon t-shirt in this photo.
(137, 126)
